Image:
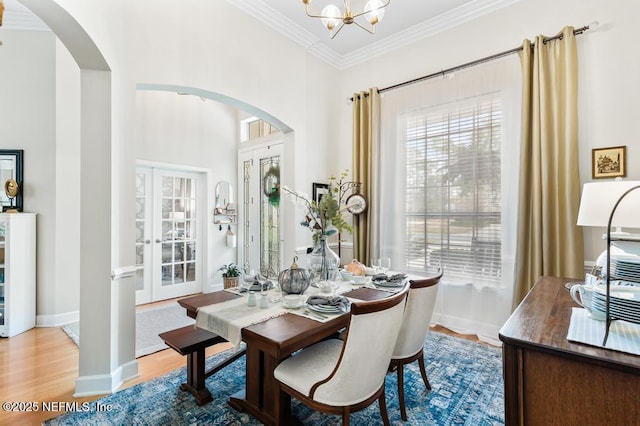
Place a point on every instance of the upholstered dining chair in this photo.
(415, 326)
(343, 376)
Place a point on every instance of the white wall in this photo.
(609, 89)
(62, 303)
(27, 121)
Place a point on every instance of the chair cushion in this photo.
(295, 372)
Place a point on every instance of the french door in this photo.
(260, 231)
(169, 222)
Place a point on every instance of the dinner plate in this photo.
(614, 303)
(618, 312)
(388, 283)
(621, 292)
(325, 309)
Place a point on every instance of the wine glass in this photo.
(385, 264)
(333, 285)
(377, 266)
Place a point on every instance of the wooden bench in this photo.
(192, 342)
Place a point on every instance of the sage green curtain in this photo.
(366, 130)
(549, 241)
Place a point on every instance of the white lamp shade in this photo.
(599, 198)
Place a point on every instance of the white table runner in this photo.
(623, 336)
(227, 319)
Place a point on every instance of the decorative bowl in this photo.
(345, 275)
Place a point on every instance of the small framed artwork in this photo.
(11, 179)
(609, 162)
(319, 191)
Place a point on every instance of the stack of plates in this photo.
(325, 309)
(388, 283)
(626, 268)
(624, 301)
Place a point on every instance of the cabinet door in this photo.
(17, 273)
(3, 228)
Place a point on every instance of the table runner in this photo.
(623, 336)
(227, 319)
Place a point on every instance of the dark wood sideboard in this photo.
(549, 380)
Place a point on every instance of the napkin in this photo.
(394, 279)
(250, 278)
(256, 286)
(339, 301)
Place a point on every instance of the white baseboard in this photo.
(214, 287)
(57, 320)
(101, 384)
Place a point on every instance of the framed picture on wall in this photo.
(11, 169)
(609, 162)
(319, 190)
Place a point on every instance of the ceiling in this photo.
(405, 21)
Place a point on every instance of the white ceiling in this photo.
(405, 21)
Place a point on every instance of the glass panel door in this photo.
(260, 232)
(167, 233)
(269, 216)
(178, 230)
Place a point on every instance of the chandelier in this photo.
(335, 19)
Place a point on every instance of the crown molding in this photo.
(24, 21)
(276, 21)
(440, 23)
(260, 10)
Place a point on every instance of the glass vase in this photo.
(323, 262)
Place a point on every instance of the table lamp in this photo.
(612, 204)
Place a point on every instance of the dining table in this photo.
(273, 339)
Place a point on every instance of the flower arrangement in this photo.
(323, 218)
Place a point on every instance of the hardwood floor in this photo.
(41, 365)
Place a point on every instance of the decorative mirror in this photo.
(224, 196)
(11, 168)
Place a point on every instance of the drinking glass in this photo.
(385, 264)
(375, 263)
(334, 285)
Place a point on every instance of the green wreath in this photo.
(271, 185)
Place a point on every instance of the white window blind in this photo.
(453, 195)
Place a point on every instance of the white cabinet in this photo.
(17, 273)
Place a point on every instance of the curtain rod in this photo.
(577, 31)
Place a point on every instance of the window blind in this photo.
(453, 195)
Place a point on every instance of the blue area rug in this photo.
(466, 380)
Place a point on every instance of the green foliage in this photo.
(230, 270)
(324, 217)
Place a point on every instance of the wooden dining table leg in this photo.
(254, 376)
